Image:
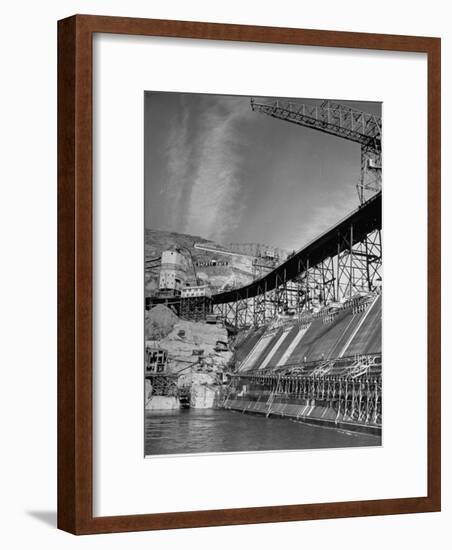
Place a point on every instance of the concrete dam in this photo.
(323, 368)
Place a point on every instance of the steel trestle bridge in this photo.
(340, 264)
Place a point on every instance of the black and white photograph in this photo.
(262, 273)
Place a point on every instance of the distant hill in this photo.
(220, 271)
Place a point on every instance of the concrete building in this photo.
(173, 272)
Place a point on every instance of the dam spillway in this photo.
(323, 368)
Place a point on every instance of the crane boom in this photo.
(329, 117)
(340, 121)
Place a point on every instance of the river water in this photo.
(216, 431)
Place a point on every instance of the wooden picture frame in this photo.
(75, 278)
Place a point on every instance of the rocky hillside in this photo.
(193, 356)
(219, 271)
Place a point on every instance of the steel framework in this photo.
(340, 121)
(340, 264)
(354, 400)
(351, 387)
(195, 308)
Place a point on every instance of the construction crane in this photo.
(341, 121)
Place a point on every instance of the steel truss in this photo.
(341, 121)
(195, 308)
(317, 283)
(358, 264)
(356, 268)
(370, 179)
(163, 384)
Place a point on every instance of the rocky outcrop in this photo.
(159, 322)
(204, 396)
(198, 353)
(193, 347)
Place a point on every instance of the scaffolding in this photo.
(195, 308)
(350, 388)
(342, 263)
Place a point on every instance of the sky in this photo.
(215, 169)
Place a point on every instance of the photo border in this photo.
(75, 274)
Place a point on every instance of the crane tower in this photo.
(341, 121)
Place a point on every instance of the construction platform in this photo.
(323, 368)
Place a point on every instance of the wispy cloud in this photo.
(178, 150)
(227, 173)
(205, 169)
